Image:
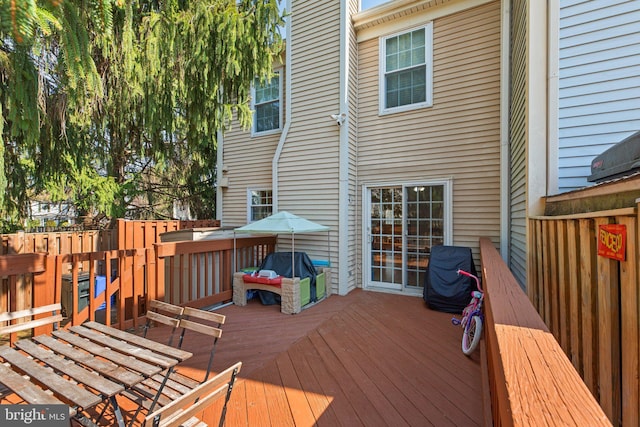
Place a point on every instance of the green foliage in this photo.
(116, 105)
(8, 226)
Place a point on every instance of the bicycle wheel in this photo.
(471, 334)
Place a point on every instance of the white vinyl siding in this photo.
(458, 138)
(599, 88)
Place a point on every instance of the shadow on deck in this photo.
(368, 358)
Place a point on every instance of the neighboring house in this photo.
(388, 125)
(595, 102)
(574, 92)
(43, 211)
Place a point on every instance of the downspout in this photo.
(343, 184)
(553, 85)
(505, 161)
(219, 172)
(287, 123)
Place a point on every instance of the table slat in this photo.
(70, 391)
(155, 346)
(144, 368)
(103, 367)
(78, 373)
(124, 347)
(28, 391)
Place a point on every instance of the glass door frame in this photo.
(367, 237)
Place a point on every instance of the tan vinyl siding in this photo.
(248, 159)
(458, 138)
(308, 166)
(355, 276)
(517, 144)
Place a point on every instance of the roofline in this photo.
(388, 17)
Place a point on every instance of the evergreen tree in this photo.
(117, 104)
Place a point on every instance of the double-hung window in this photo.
(406, 71)
(267, 105)
(260, 203)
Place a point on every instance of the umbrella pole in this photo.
(293, 252)
(328, 251)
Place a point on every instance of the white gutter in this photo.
(343, 180)
(505, 162)
(287, 124)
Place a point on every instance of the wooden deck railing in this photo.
(196, 273)
(591, 303)
(531, 380)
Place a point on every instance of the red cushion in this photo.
(249, 278)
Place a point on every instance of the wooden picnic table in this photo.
(83, 366)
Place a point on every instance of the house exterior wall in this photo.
(246, 160)
(458, 137)
(318, 170)
(304, 158)
(518, 140)
(352, 92)
(308, 165)
(599, 88)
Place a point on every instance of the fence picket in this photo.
(602, 301)
(575, 307)
(630, 326)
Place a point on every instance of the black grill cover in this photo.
(619, 160)
(280, 262)
(444, 289)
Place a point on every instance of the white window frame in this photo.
(428, 55)
(254, 132)
(250, 202)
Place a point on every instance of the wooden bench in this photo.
(183, 409)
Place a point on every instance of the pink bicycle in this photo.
(472, 318)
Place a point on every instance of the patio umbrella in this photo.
(282, 222)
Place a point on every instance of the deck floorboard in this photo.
(365, 359)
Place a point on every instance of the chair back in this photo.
(187, 319)
(196, 400)
(31, 318)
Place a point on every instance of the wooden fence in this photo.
(108, 254)
(195, 273)
(531, 381)
(591, 303)
(127, 235)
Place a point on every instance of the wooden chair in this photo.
(184, 409)
(181, 319)
(32, 318)
(187, 319)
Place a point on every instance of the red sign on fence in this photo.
(612, 241)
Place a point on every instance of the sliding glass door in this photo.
(403, 222)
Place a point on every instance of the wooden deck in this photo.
(368, 358)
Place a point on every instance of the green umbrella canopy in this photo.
(282, 222)
(285, 223)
